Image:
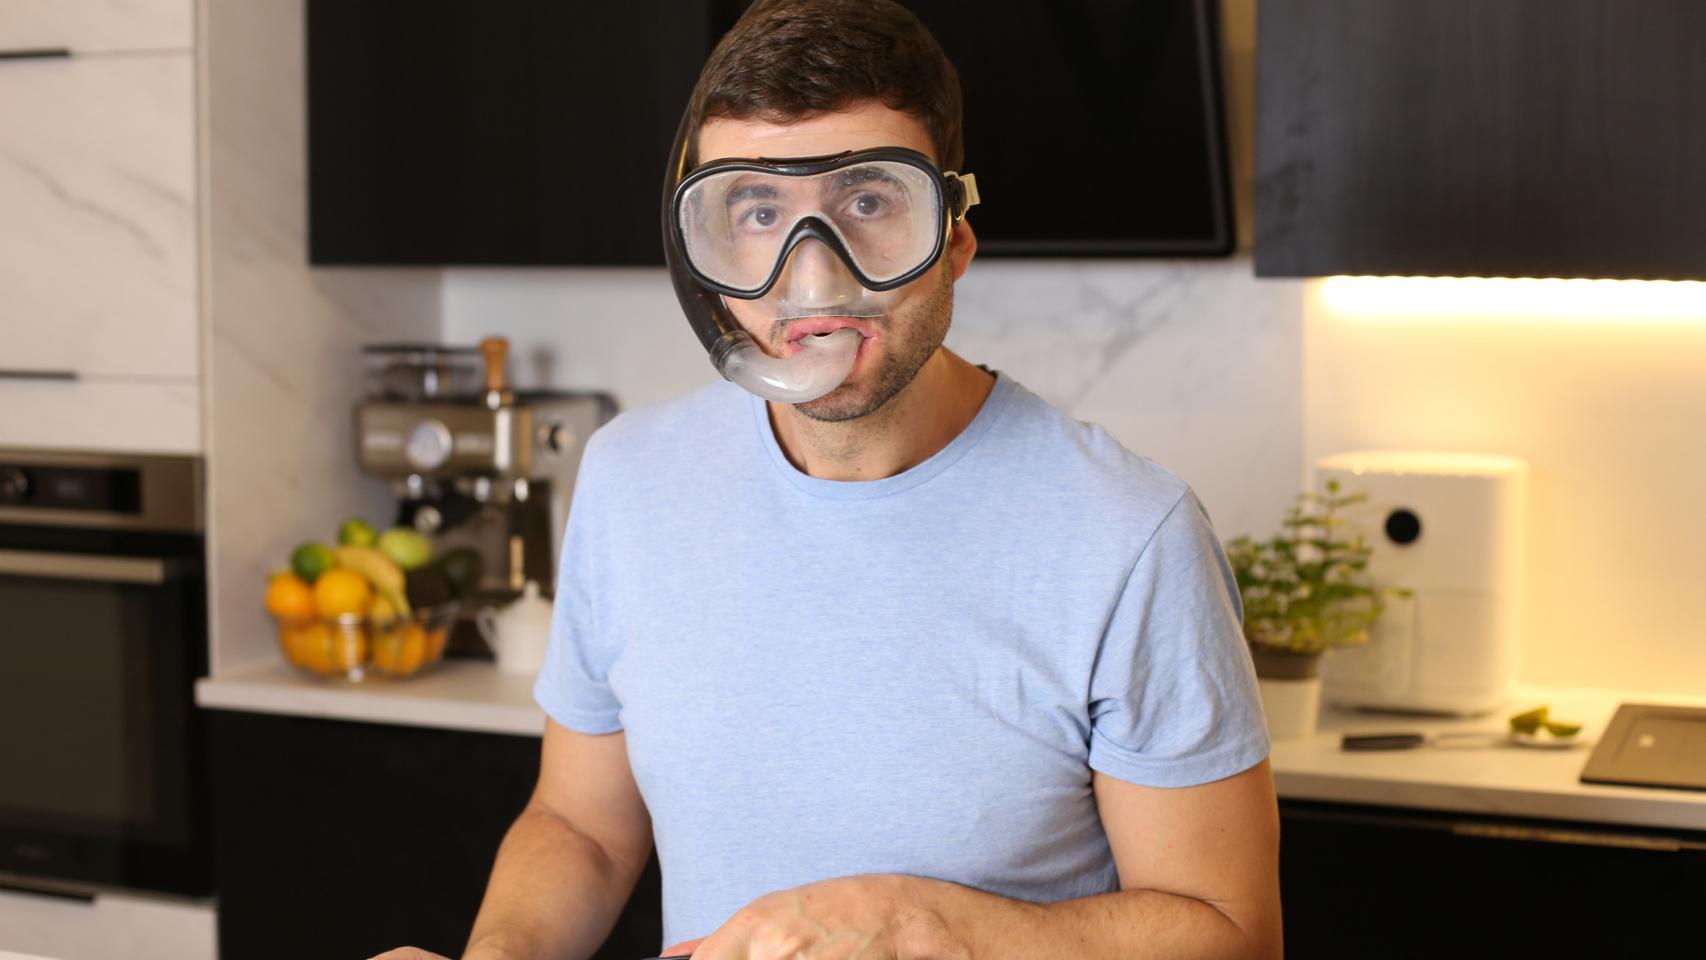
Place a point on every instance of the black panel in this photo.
(1467, 138)
(500, 132)
(1094, 126)
(536, 131)
(347, 839)
(1388, 882)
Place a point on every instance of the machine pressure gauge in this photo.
(428, 446)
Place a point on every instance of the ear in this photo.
(962, 246)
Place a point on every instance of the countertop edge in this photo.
(1663, 809)
(265, 692)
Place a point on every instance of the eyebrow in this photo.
(750, 190)
(865, 174)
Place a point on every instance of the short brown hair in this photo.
(789, 60)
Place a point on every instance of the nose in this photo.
(817, 278)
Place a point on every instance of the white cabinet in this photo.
(111, 927)
(97, 25)
(98, 216)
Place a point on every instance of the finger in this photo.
(409, 953)
(683, 948)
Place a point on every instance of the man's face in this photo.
(897, 344)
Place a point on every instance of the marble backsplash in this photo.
(1192, 363)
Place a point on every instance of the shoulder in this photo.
(647, 437)
(1074, 462)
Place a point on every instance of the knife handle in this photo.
(1382, 741)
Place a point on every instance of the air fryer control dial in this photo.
(1403, 527)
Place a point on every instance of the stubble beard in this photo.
(912, 336)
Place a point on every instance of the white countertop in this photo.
(1504, 779)
(455, 695)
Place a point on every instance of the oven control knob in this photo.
(14, 485)
(428, 446)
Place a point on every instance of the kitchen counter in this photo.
(456, 695)
(1502, 780)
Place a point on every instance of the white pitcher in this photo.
(519, 632)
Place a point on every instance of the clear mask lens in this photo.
(815, 283)
(738, 224)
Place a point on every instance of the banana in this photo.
(380, 570)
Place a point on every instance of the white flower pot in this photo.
(1291, 706)
(1290, 687)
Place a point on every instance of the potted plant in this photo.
(1304, 593)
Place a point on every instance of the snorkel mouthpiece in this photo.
(822, 363)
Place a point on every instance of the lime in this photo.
(1559, 728)
(408, 548)
(357, 532)
(1530, 721)
(312, 559)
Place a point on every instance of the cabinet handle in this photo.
(145, 571)
(38, 375)
(1625, 841)
(39, 53)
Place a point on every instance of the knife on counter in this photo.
(1405, 741)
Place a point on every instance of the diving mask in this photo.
(744, 229)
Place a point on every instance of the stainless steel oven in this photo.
(103, 632)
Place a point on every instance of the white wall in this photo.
(1603, 391)
(283, 364)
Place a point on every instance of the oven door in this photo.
(102, 769)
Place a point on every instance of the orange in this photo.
(340, 591)
(387, 650)
(309, 645)
(290, 598)
(287, 643)
(413, 653)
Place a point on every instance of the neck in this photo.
(917, 422)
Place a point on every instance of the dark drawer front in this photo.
(347, 839)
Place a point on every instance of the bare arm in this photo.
(568, 865)
(1199, 878)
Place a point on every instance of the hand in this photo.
(409, 953)
(868, 917)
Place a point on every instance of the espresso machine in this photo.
(476, 466)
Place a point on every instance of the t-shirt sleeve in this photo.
(1173, 699)
(573, 685)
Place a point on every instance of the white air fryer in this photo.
(1452, 528)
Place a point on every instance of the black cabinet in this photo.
(1362, 881)
(1562, 138)
(501, 132)
(342, 839)
(536, 132)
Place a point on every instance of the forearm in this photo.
(554, 893)
(1127, 925)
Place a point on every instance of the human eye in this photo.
(868, 205)
(758, 217)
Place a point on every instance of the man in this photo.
(916, 668)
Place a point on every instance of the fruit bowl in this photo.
(350, 647)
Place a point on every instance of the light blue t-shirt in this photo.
(916, 675)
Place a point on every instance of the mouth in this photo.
(800, 329)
